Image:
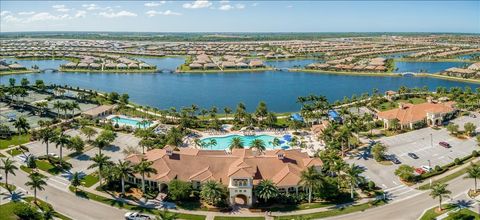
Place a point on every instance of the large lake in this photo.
(279, 89)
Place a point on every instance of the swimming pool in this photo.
(223, 142)
(136, 123)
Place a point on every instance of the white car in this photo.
(54, 155)
(426, 168)
(136, 216)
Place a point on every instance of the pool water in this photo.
(224, 141)
(131, 122)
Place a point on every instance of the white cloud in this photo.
(4, 13)
(61, 8)
(225, 7)
(153, 13)
(254, 4)
(44, 16)
(80, 14)
(224, 2)
(240, 6)
(90, 7)
(7, 17)
(289, 6)
(117, 14)
(26, 13)
(154, 4)
(198, 4)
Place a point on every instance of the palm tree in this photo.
(212, 192)
(276, 142)
(144, 168)
(100, 161)
(61, 140)
(57, 105)
(76, 180)
(266, 190)
(124, 169)
(473, 172)
(212, 143)
(258, 144)
(311, 179)
(100, 143)
(47, 135)
(352, 174)
(236, 142)
(8, 167)
(88, 132)
(164, 215)
(21, 125)
(440, 190)
(37, 181)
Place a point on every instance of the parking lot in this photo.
(422, 142)
(425, 144)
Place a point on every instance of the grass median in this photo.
(336, 212)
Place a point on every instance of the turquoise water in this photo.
(131, 122)
(224, 141)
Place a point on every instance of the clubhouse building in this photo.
(410, 116)
(240, 170)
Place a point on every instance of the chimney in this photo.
(169, 152)
(281, 156)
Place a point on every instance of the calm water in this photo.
(468, 56)
(278, 89)
(429, 67)
(169, 63)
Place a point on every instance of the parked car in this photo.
(136, 216)
(427, 168)
(445, 144)
(419, 171)
(54, 155)
(413, 155)
(394, 159)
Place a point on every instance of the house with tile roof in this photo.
(411, 116)
(239, 170)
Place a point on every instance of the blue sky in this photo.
(241, 16)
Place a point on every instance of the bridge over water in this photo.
(408, 74)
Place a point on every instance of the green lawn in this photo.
(463, 212)
(15, 140)
(303, 206)
(6, 211)
(47, 167)
(12, 187)
(391, 105)
(89, 180)
(43, 205)
(14, 152)
(335, 212)
(123, 205)
(431, 214)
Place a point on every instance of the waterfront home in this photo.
(256, 64)
(239, 170)
(4, 68)
(16, 66)
(411, 116)
(460, 72)
(475, 66)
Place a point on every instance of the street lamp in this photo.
(431, 140)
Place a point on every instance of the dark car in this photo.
(445, 144)
(413, 156)
(394, 159)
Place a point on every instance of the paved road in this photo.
(69, 204)
(412, 207)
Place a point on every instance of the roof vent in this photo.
(281, 156)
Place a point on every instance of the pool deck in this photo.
(313, 145)
(110, 117)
